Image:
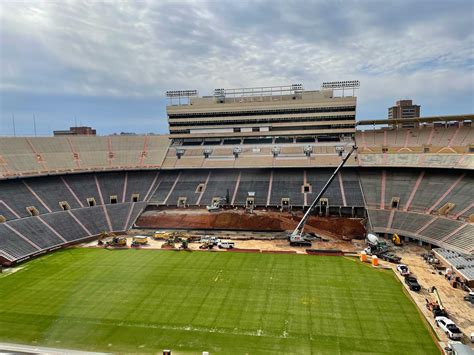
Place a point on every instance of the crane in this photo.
(296, 238)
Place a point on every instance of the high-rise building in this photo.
(404, 109)
(287, 112)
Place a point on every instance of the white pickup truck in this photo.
(226, 245)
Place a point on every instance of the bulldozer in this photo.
(116, 242)
(106, 235)
(397, 240)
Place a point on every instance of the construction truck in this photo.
(139, 240)
(159, 235)
(436, 307)
(397, 240)
(297, 237)
(375, 246)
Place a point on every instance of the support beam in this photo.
(236, 188)
(425, 226)
(10, 209)
(51, 229)
(80, 223)
(125, 184)
(413, 191)
(459, 214)
(37, 197)
(270, 184)
(204, 189)
(305, 195)
(390, 219)
(72, 192)
(109, 223)
(172, 188)
(454, 184)
(74, 153)
(129, 215)
(341, 187)
(147, 196)
(453, 137)
(21, 236)
(382, 189)
(454, 232)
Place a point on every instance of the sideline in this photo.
(28, 349)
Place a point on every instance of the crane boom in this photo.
(296, 237)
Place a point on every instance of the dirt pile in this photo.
(340, 228)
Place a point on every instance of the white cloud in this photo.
(144, 48)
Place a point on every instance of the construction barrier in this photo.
(238, 250)
(331, 252)
(278, 251)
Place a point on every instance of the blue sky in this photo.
(108, 64)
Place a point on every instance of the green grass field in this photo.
(234, 303)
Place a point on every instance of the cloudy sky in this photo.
(108, 64)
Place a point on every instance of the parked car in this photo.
(449, 327)
(469, 297)
(403, 269)
(412, 283)
(390, 257)
(225, 245)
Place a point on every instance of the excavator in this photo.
(436, 307)
(297, 237)
(397, 240)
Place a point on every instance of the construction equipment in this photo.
(397, 240)
(206, 245)
(116, 241)
(297, 238)
(375, 246)
(436, 307)
(159, 235)
(168, 244)
(102, 236)
(139, 240)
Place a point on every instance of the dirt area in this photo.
(460, 311)
(245, 241)
(333, 227)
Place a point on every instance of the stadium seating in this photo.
(55, 155)
(416, 182)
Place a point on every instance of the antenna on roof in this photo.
(14, 128)
(34, 123)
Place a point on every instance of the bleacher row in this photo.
(28, 236)
(413, 140)
(435, 230)
(32, 156)
(429, 147)
(44, 213)
(420, 190)
(269, 186)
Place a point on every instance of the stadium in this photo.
(242, 165)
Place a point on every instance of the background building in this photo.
(87, 131)
(276, 114)
(404, 109)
